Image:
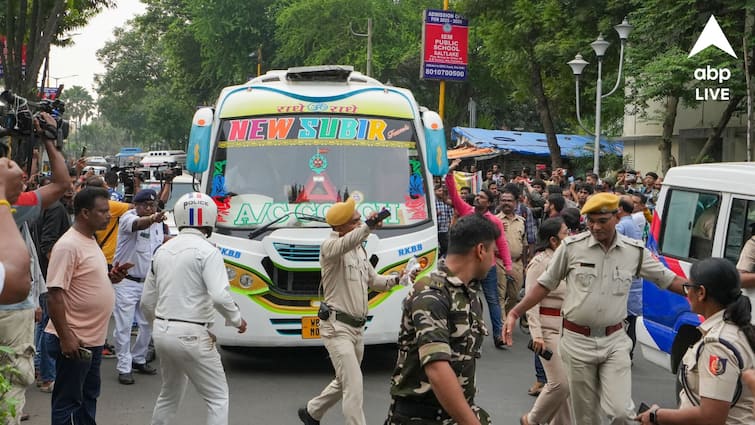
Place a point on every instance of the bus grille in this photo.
(292, 252)
(292, 282)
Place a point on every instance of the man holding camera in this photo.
(346, 276)
(140, 232)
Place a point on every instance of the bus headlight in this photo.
(244, 279)
(425, 260)
(231, 273)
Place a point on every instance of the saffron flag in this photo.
(471, 180)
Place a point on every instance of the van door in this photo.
(739, 229)
(687, 234)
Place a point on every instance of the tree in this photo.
(661, 69)
(30, 27)
(526, 45)
(79, 103)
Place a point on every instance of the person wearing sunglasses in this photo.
(711, 370)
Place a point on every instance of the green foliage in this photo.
(7, 372)
(79, 103)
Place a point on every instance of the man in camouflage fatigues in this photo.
(442, 329)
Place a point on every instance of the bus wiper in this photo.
(299, 216)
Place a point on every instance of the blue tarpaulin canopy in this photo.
(531, 143)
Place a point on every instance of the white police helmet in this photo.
(195, 210)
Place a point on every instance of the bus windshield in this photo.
(267, 167)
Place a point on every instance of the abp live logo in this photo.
(712, 35)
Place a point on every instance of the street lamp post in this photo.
(578, 64)
(60, 78)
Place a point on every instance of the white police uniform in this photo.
(137, 247)
(186, 284)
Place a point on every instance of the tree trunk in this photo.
(544, 112)
(42, 27)
(715, 137)
(748, 56)
(669, 118)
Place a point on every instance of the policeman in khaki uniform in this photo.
(346, 276)
(598, 267)
(516, 236)
(442, 329)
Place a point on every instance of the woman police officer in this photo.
(544, 321)
(710, 372)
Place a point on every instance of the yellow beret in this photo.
(340, 213)
(601, 203)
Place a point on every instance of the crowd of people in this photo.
(68, 238)
(564, 257)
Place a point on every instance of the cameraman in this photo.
(17, 320)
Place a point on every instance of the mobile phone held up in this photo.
(643, 408)
(382, 215)
(546, 354)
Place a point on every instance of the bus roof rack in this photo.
(320, 73)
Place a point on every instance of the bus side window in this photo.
(689, 226)
(740, 228)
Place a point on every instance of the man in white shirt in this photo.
(140, 233)
(186, 283)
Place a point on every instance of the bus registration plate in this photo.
(310, 327)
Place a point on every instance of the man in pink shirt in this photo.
(490, 283)
(80, 302)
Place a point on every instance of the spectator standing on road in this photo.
(53, 223)
(17, 320)
(598, 267)
(15, 279)
(544, 319)
(490, 283)
(185, 285)
(710, 374)
(140, 232)
(80, 302)
(442, 329)
(347, 277)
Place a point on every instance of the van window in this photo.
(740, 227)
(689, 224)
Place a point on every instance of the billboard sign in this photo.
(445, 36)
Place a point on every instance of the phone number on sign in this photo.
(444, 72)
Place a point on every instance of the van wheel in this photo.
(678, 386)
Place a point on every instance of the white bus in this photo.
(275, 153)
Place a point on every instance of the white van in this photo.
(705, 210)
(156, 158)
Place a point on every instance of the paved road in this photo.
(267, 386)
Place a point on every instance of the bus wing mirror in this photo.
(198, 152)
(436, 154)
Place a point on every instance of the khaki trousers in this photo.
(345, 344)
(508, 291)
(17, 333)
(600, 374)
(551, 406)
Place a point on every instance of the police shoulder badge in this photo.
(717, 365)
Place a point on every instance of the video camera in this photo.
(126, 175)
(20, 114)
(167, 171)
